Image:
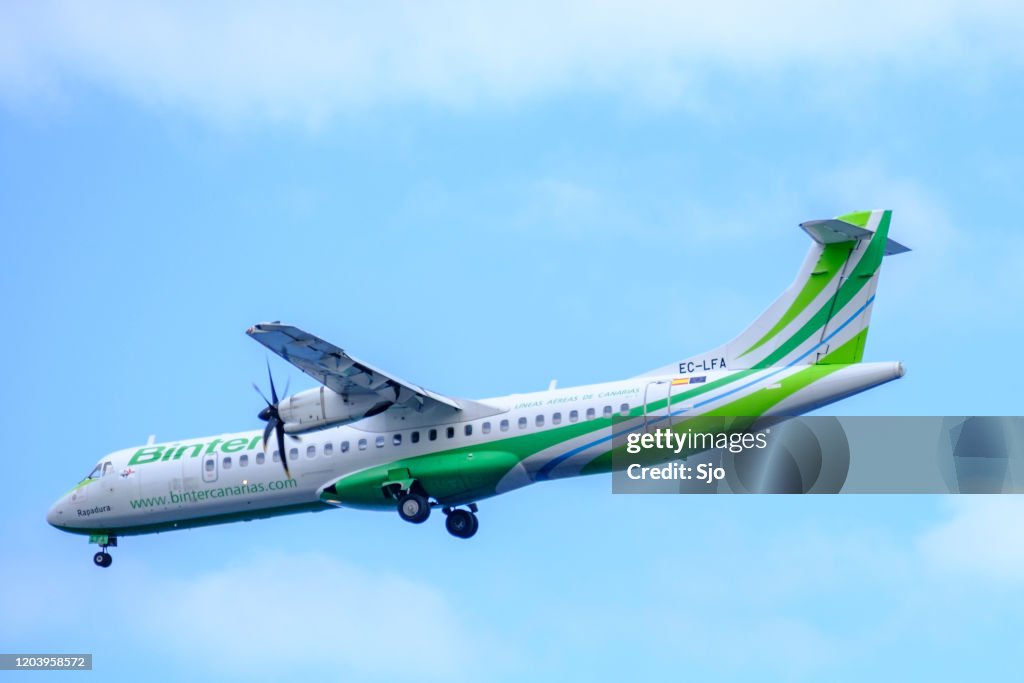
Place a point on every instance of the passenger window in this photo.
(344, 446)
(539, 421)
(624, 409)
(450, 432)
(328, 450)
(243, 460)
(227, 462)
(415, 437)
(277, 456)
(380, 442)
(607, 411)
(522, 423)
(485, 428)
(362, 444)
(503, 426)
(574, 415)
(210, 464)
(311, 451)
(469, 430)
(591, 414)
(261, 458)
(432, 435)
(396, 440)
(293, 453)
(556, 419)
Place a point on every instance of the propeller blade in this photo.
(260, 393)
(272, 416)
(266, 433)
(280, 448)
(273, 392)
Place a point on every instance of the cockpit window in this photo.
(95, 474)
(108, 468)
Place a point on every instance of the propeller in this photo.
(272, 417)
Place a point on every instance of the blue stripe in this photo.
(544, 473)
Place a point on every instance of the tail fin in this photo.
(822, 318)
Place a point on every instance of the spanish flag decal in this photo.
(689, 380)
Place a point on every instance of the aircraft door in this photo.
(658, 405)
(210, 467)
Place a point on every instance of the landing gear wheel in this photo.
(412, 507)
(461, 523)
(102, 559)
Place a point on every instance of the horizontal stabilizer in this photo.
(834, 230)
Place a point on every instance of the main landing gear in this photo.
(461, 523)
(103, 558)
(415, 508)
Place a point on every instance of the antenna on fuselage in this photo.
(151, 440)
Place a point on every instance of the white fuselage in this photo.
(232, 477)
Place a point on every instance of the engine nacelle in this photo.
(319, 408)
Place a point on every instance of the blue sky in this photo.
(481, 199)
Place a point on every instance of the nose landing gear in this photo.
(103, 558)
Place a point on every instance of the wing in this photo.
(340, 372)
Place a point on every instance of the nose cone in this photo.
(55, 517)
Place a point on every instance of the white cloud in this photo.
(983, 539)
(920, 218)
(753, 599)
(281, 614)
(311, 60)
(269, 617)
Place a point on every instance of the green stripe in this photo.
(746, 410)
(832, 258)
(858, 218)
(862, 273)
(206, 520)
(490, 462)
(850, 352)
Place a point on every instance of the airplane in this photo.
(365, 439)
